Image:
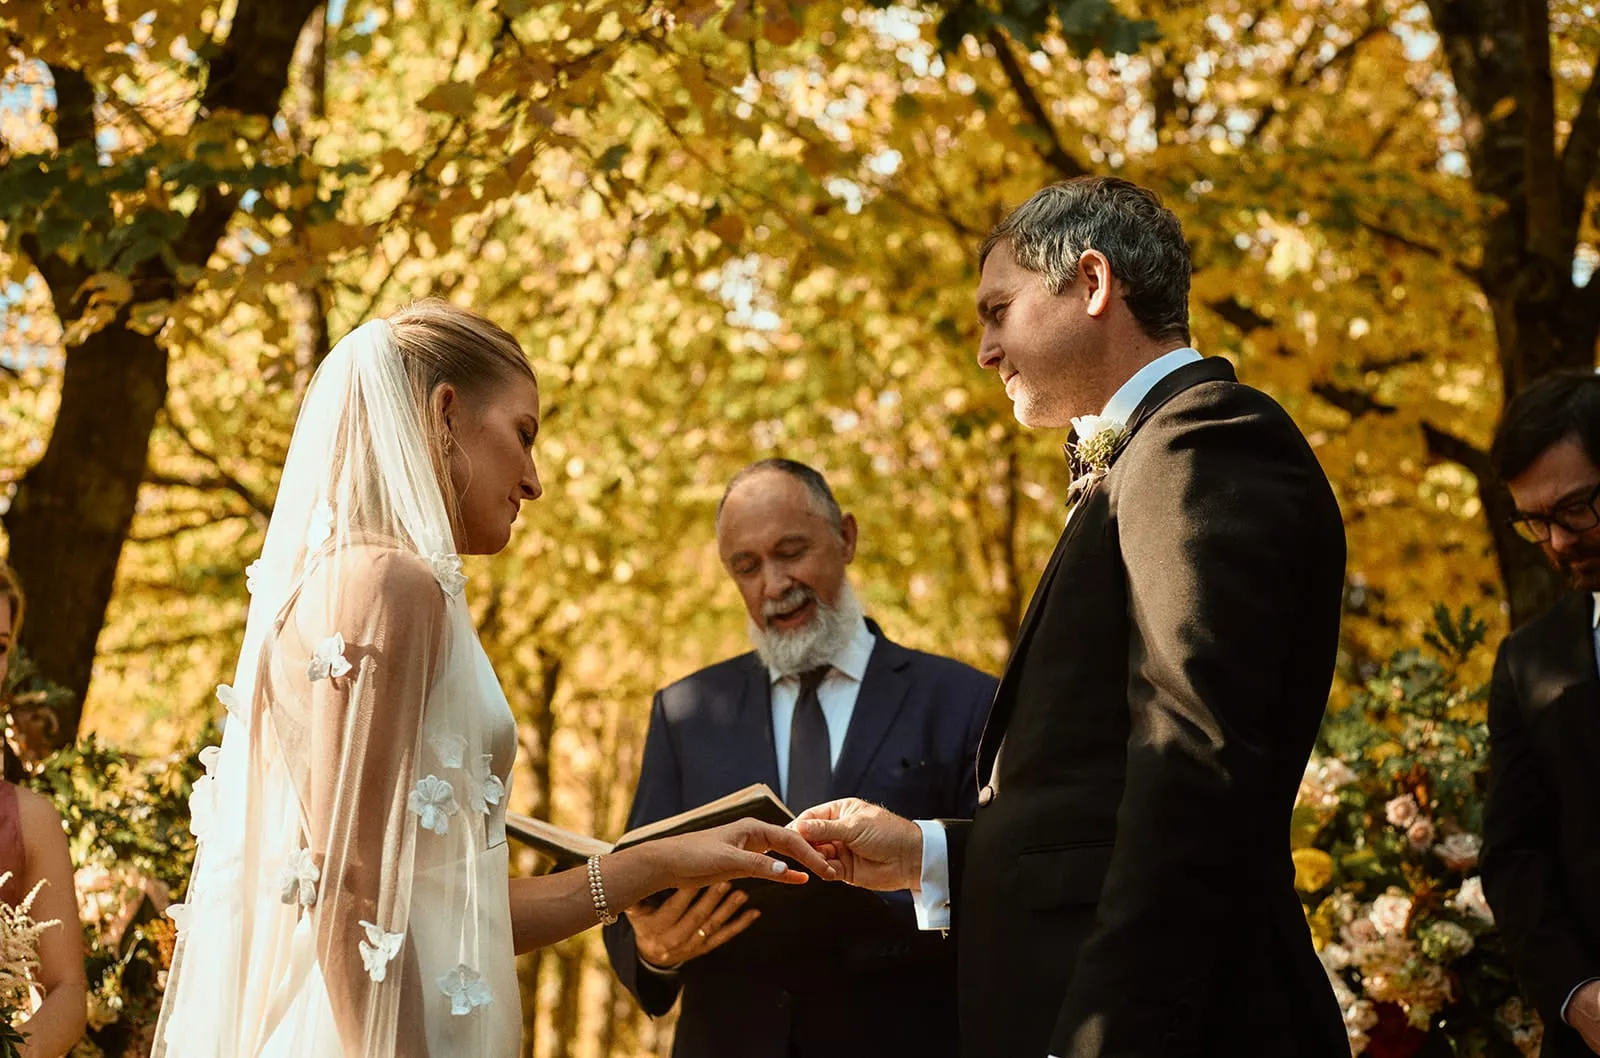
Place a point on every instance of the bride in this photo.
(350, 895)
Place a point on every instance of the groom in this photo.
(1125, 889)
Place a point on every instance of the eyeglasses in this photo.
(1579, 516)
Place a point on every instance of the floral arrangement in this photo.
(1386, 843)
(19, 963)
(132, 848)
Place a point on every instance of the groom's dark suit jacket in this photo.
(1541, 826)
(814, 989)
(1125, 889)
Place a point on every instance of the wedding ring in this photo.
(702, 933)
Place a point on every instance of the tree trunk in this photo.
(568, 965)
(73, 509)
(1498, 52)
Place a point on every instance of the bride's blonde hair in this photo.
(440, 343)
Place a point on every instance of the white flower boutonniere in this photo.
(1098, 437)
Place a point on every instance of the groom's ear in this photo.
(1094, 274)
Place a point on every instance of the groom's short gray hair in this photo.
(1141, 238)
(817, 485)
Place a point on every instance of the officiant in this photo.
(825, 706)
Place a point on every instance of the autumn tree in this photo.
(116, 241)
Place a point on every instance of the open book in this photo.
(569, 848)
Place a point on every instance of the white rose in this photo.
(1469, 900)
(1459, 852)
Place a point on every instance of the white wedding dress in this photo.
(349, 896)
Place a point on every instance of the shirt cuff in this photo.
(1565, 1003)
(932, 898)
(665, 973)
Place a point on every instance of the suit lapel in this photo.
(1211, 369)
(1572, 657)
(754, 734)
(878, 701)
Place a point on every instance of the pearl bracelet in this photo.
(597, 890)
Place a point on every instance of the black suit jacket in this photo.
(824, 989)
(1541, 825)
(1126, 888)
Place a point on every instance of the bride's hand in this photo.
(735, 850)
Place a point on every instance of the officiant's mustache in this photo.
(790, 601)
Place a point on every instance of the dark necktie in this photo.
(810, 759)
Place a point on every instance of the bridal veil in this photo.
(349, 893)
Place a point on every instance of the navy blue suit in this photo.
(835, 989)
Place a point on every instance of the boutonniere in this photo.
(1096, 438)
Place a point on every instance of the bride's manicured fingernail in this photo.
(778, 866)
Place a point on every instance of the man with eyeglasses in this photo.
(1541, 858)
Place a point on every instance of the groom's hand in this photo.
(867, 845)
(1583, 1013)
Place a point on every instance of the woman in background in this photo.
(33, 848)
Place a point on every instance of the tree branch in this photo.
(74, 108)
(247, 76)
(220, 479)
(1541, 175)
(1054, 153)
(1285, 82)
(1242, 316)
(159, 642)
(1446, 447)
(174, 531)
(1465, 270)
(218, 482)
(1353, 401)
(1580, 158)
(1339, 58)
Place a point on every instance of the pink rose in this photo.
(1420, 833)
(1390, 912)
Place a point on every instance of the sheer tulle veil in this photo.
(348, 896)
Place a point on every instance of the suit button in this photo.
(985, 795)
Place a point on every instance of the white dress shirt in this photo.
(836, 694)
(932, 899)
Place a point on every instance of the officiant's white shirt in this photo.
(836, 694)
(932, 900)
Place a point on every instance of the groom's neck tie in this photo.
(810, 757)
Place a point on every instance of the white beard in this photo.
(817, 642)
